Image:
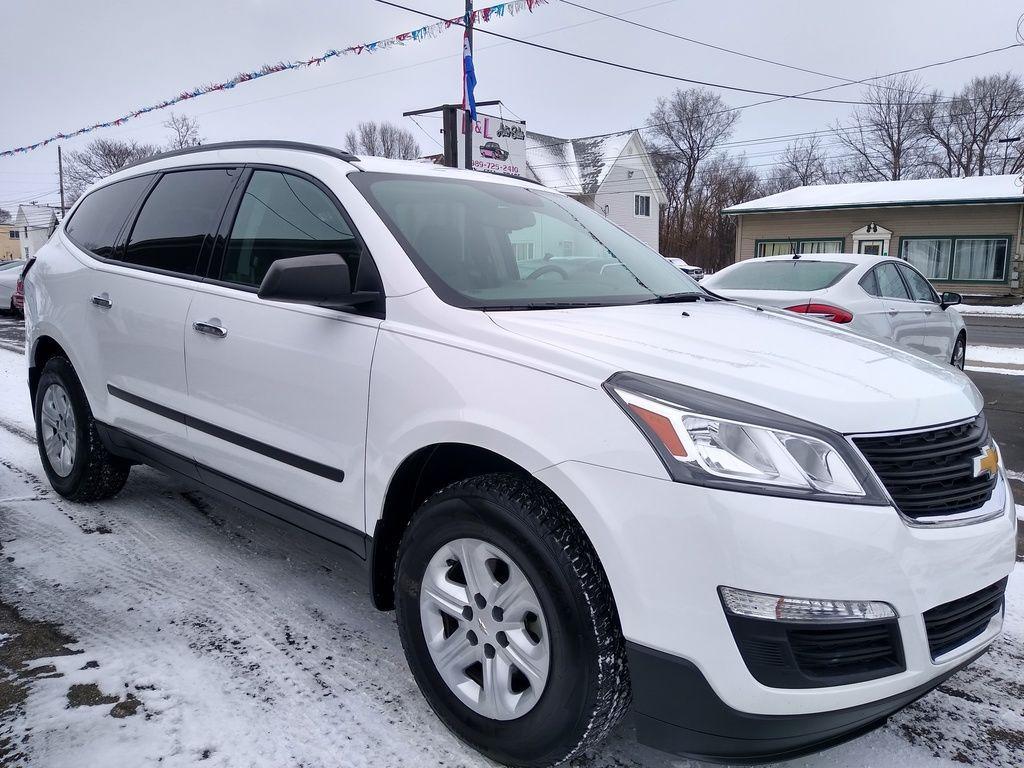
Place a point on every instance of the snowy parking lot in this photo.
(167, 628)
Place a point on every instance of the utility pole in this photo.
(60, 172)
(1006, 148)
(469, 120)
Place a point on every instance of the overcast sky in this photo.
(70, 64)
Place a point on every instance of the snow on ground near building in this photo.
(216, 637)
(1014, 310)
(988, 354)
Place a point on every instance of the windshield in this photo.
(484, 245)
(790, 275)
(10, 264)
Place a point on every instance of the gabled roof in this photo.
(36, 216)
(574, 166)
(879, 194)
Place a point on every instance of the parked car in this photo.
(596, 488)
(697, 273)
(10, 271)
(493, 150)
(875, 295)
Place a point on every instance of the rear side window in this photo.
(870, 283)
(790, 275)
(99, 217)
(890, 285)
(180, 213)
(282, 216)
(920, 289)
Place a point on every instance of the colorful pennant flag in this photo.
(481, 16)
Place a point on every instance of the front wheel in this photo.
(959, 358)
(76, 462)
(508, 622)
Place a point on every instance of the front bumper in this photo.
(667, 547)
(699, 724)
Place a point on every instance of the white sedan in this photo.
(697, 273)
(874, 295)
(10, 271)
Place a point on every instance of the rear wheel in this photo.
(959, 358)
(508, 622)
(76, 463)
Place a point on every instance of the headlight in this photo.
(716, 441)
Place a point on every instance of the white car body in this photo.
(9, 274)
(697, 273)
(369, 394)
(924, 325)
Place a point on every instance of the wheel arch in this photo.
(421, 474)
(44, 348)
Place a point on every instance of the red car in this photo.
(493, 150)
(18, 299)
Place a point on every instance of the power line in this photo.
(705, 44)
(639, 70)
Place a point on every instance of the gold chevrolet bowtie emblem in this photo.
(987, 463)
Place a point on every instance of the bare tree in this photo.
(184, 131)
(5, 216)
(885, 136)
(382, 139)
(721, 182)
(101, 157)
(965, 129)
(802, 163)
(687, 128)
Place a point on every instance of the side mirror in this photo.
(950, 299)
(321, 279)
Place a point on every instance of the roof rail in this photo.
(319, 149)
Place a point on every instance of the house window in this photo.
(788, 247)
(931, 256)
(567, 247)
(524, 251)
(641, 205)
(959, 259)
(14, 234)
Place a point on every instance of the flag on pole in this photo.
(468, 78)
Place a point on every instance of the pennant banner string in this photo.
(481, 16)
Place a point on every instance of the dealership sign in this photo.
(499, 144)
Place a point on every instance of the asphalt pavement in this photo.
(995, 329)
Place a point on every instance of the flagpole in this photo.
(469, 122)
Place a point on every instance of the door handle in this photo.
(894, 311)
(210, 329)
(102, 301)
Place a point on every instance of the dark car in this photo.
(493, 150)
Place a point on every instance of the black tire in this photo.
(588, 689)
(95, 473)
(959, 356)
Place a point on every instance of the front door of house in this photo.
(870, 247)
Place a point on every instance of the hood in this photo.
(775, 359)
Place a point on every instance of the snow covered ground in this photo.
(1014, 310)
(193, 633)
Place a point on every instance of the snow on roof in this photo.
(574, 166)
(36, 216)
(872, 194)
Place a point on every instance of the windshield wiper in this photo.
(678, 298)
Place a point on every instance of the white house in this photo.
(35, 224)
(612, 174)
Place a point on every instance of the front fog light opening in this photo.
(757, 605)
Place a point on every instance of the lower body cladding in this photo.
(713, 684)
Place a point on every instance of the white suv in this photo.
(581, 482)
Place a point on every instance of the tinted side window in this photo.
(99, 217)
(280, 217)
(180, 213)
(870, 283)
(889, 283)
(920, 288)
